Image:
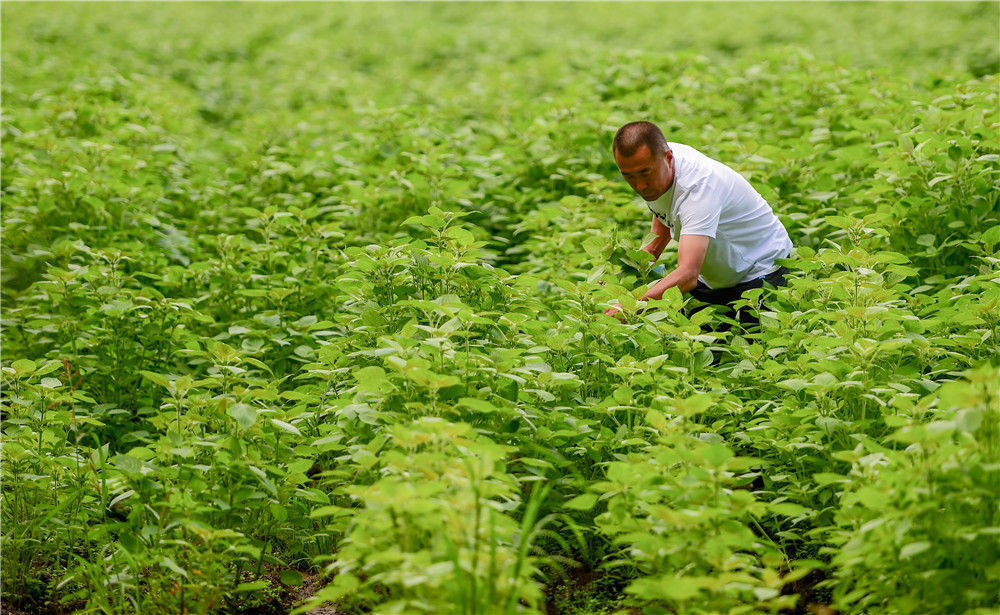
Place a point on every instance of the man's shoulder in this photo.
(695, 167)
(691, 168)
(690, 156)
(683, 149)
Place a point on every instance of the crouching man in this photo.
(728, 238)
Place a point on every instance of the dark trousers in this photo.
(727, 296)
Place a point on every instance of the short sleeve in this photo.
(698, 211)
(662, 217)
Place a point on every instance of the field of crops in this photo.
(305, 302)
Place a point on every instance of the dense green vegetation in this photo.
(308, 300)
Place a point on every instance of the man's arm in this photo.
(656, 246)
(690, 256)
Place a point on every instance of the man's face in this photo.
(650, 176)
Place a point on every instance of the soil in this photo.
(809, 599)
(311, 583)
(584, 590)
(9, 610)
(290, 598)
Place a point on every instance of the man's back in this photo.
(710, 199)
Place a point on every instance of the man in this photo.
(728, 238)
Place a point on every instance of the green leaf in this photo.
(329, 443)
(913, 548)
(279, 512)
(825, 478)
(656, 420)
(291, 577)
(48, 367)
(330, 511)
(793, 384)
(157, 379)
(478, 405)
(128, 464)
(244, 415)
(595, 246)
(223, 352)
(371, 379)
(991, 237)
(51, 383)
(716, 454)
(870, 498)
(116, 307)
(891, 258)
(461, 236)
(23, 367)
(787, 509)
(666, 587)
(257, 363)
(121, 498)
(171, 565)
(430, 221)
(292, 429)
(584, 501)
(264, 480)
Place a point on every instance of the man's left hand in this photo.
(616, 312)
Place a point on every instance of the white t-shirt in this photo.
(708, 198)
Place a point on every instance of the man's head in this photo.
(644, 159)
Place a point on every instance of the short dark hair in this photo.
(634, 135)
